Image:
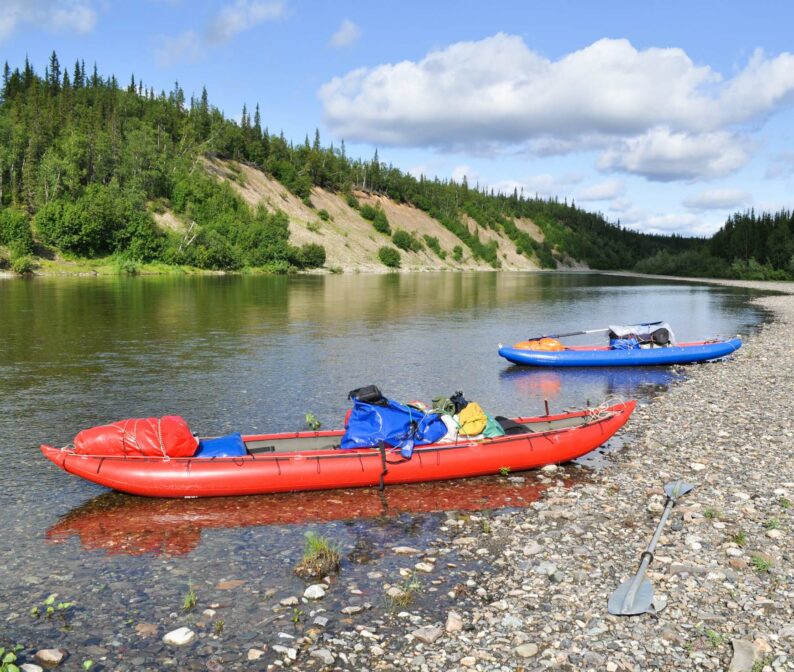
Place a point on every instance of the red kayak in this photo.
(313, 460)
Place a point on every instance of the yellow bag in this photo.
(551, 344)
(472, 419)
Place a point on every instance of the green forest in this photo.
(85, 162)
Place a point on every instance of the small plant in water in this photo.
(772, 523)
(88, 664)
(8, 658)
(312, 422)
(297, 615)
(739, 538)
(504, 471)
(408, 591)
(760, 564)
(217, 627)
(51, 608)
(320, 557)
(189, 603)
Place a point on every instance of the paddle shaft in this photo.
(582, 333)
(647, 556)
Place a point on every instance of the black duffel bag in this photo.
(369, 395)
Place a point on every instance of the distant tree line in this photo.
(748, 247)
(85, 162)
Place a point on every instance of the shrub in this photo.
(381, 224)
(457, 253)
(407, 241)
(368, 212)
(311, 255)
(15, 231)
(389, 257)
(433, 244)
(402, 239)
(22, 265)
(352, 201)
(277, 267)
(323, 214)
(104, 219)
(127, 267)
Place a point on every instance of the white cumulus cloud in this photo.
(655, 103)
(184, 48)
(681, 223)
(72, 16)
(239, 16)
(717, 199)
(665, 156)
(347, 33)
(603, 191)
(459, 172)
(234, 18)
(544, 185)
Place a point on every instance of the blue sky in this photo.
(666, 115)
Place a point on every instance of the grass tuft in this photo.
(190, 600)
(761, 565)
(409, 589)
(320, 557)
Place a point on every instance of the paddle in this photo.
(588, 331)
(635, 596)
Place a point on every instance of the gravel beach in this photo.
(722, 575)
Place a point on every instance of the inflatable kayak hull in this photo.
(685, 353)
(291, 462)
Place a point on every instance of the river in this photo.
(251, 354)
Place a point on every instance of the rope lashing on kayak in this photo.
(384, 463)
(602, 410)
(382, 448)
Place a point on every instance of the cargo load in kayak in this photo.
(319, 460)
(646, 344)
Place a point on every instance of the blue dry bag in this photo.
(392, 423)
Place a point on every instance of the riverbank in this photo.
(722, 575)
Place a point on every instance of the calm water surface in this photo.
(255, 354)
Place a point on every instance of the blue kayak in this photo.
(684, 353)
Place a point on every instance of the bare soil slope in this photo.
(351, 243)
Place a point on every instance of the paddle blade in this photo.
(622, 604)
(677, 489)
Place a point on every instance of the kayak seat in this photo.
(222, 446)
(511, 427)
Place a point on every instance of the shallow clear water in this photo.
(255, 354)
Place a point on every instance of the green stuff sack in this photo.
(492, 428)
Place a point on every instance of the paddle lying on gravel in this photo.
(588, 331)
(635, 595)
